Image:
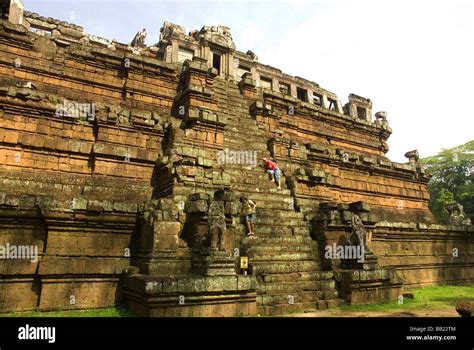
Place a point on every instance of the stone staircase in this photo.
(282, 255)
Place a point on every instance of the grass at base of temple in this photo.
(431, 298)
(118, 311)
(427, 298)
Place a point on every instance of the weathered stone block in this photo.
(204, 162)
(232, 208)
(78, 204)
(169, 285)
(166, 204)
(191, 284)
(359, 207)
(199, 206)
(170, 215)
(221, 283)
(326, 206)
(227, 196)
(198, 196)
(125, 207)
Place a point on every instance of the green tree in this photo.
(453, 180)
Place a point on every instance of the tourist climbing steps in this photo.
(282, 255)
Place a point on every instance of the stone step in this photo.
(289, 298)
(264, 195)
(226, 95)
(259, 181)
(224, 98)
(284, 309)
(311, 306)
(231, 106)
(265, 249)
(269, 204)
(242, 123)
(237, 129)
(261, 186)
(246, 139)
(272, 222)
(267, 231)
(302, 276)
(261, 267)
(244, 135)
(271, 201)
(285, 213)
(262, 232)
(244, 170)
(327, 288)
(271, 248)
(263, 239)
(280, 256)
(260, 148)
(236, 111)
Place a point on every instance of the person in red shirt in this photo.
(273, 171)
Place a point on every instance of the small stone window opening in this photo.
(266, 83)
(332, 104)
(4, 9)
(216, 62)
(284, 88)
(317, 99)
(302, 94)
(362, 113)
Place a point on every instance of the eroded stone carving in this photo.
(170, 29)
(27, 85)
(139, 39)
(382, 116)
(413, 156)
(359, 235)
(252, 55)
(217, 225)
(216, 34)
(456, 214)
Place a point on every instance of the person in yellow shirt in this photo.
(250, 213)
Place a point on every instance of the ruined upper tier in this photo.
(216, 46)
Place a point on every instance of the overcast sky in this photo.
(412, 58)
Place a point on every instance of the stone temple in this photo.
(123, 165)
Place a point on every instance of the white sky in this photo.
(413, 59)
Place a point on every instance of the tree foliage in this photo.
(453, 180)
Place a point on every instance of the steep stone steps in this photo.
(286, 213)
(286, 299)
(284, 267)
(295, 276)
(265, 192)
(266, 240)
(274, 289)
(243, 143)
(276, 249)
(279, 221)
(275, 310)
(281, 254)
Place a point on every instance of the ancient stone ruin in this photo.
(110, 168)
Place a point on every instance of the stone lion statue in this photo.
(139, 39)
(359, 235)
(217, 225)
(456, 214)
